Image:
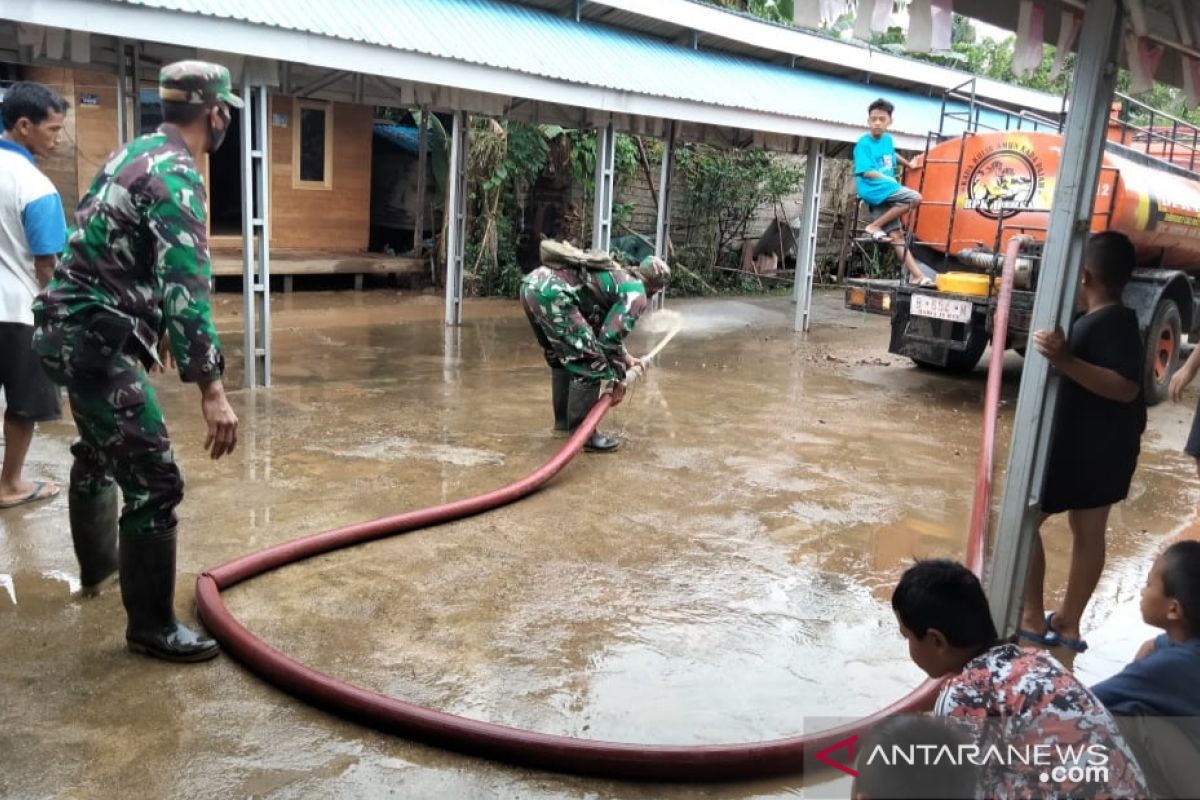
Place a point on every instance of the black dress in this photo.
(1095, 443)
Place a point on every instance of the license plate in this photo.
(941, 308)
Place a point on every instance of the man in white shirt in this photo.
(33, 232)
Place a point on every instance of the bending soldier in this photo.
(581, 313)
(131, 292)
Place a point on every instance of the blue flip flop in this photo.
(1047, 639)
(34, 496)
(1056, 640)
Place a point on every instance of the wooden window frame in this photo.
(299, 105)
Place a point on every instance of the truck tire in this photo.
(960, 360)
(1162, 351)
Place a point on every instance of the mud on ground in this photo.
(723, 578)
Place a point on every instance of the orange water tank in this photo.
(981, 189)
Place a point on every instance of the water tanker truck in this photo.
(982, 188)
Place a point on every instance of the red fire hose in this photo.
(500, 742)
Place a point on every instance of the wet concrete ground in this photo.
(723, 578)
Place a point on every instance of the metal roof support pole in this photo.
(606, 158)
(256, 238)
(123, 83)
(456, 207)
(806, 247)
(422, 168)
(1058, 284)
(662, 225)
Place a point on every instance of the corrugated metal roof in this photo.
(534, 42)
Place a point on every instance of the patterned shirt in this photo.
(139, 250)
(1052, 737)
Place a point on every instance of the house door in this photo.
(225, 182)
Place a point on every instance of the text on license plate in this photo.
(941, 308)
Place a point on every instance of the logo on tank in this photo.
(1002, 180)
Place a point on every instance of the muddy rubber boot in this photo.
(584, 395)
(560, 392)
(94, 533)
(148, 591)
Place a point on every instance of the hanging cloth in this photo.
(1068, 32)
(1143, 59)
(1030, 36)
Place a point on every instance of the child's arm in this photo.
(879, 176)
(904, 161)
(1184, 375)
(1107, 383)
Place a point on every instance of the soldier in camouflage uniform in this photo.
(132, 292)
(581, 317)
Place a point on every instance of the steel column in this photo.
(456, 208)
(606, 157)
(1058, 284)
(662, 225)
(662, 228)
(126, 83)
(806, 247)
(422, 168)
(256, 238)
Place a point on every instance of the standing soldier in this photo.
(130, 293)
(581, 307)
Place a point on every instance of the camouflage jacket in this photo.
(139, 250)
(610, 300)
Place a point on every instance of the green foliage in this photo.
(583, 159)
(506, 159)
(724, 190)
(583, 169)
(782, 11)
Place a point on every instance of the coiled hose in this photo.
(513, 745)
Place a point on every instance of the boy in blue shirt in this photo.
(1162, 680)
(875, 160)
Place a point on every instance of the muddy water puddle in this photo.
(722, 578)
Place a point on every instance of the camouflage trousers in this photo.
(122, 434)
(567, 339)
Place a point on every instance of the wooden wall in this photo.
(338, 218)
(91, 131)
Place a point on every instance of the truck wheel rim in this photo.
(1165, 352)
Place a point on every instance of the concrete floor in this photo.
(723, 578)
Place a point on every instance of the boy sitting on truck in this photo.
(875, 160)
(1096, 437)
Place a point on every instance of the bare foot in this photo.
(1034, 624)
(1067, 631)
(27, 492)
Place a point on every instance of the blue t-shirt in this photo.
(878, 155)
(1163, 684)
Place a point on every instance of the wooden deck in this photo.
(290, 263)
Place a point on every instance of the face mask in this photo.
(217, 137)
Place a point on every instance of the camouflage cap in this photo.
(198, 82)
(654, 272)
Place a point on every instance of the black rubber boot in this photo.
(94, 532)
(584, 395)
(148, 591)
(560, 392)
